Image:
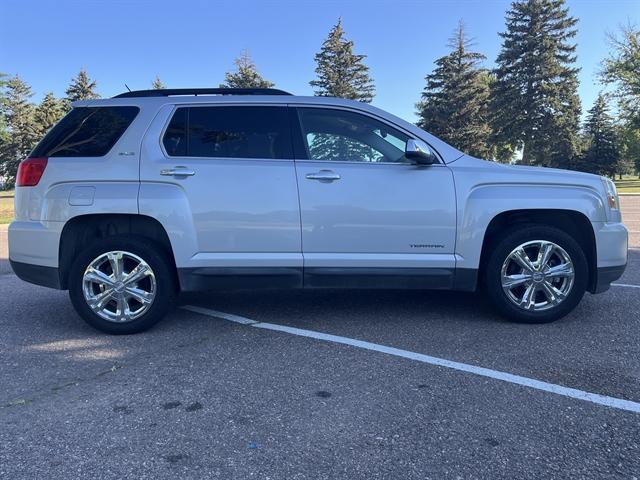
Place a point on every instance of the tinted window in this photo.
(230, 132)
(86, 132)
(175, 137)
(346, 136)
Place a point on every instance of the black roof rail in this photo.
(168, 92)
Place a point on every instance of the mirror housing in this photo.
(419, 152)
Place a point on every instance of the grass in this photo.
(628, 184)
(6, 206)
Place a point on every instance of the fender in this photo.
(484, 202)
(169, 205)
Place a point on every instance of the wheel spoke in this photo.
(554, 296)
(562, 270)
(96, 276)
(510, 281)
(123, 313)
(521, 258)
(528, 300)
(115, 259)
(544, 255)
(140, 295)
(137, 274)
(101, 299)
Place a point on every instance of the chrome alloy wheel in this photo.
(119, 286)
(537, 275)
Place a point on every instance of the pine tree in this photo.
(535, 101)
(48, 113)
(19, 113)
(454, 103)
(81, 88)
(622, 69)
(246, 75)
(157, 84)
(4, 132)
(341, 73)
(602, 155)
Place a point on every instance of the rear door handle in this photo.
(177, 172)
(325, 176)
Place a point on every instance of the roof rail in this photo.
(168, 92)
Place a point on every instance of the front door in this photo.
(371, 218)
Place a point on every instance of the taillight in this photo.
(30, 171)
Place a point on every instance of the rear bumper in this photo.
(37, 274)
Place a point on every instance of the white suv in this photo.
(129, 200)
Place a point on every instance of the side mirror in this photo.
(419, 152)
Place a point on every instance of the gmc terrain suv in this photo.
(128, 201)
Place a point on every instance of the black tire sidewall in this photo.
(150, 253)
(517, 236)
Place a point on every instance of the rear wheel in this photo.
(122, 285)
(536, 274)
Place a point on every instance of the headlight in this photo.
(612, 193)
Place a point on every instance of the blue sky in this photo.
(193, 42)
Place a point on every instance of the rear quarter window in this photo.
(86, 132)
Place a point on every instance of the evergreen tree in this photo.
(246, 75)
(4, 132)
(630, 147)
(81, 88)
(341, 73)
(19, 115)
(157, 84)
(622, 69)
(454, 103)
(535, 102)
(602, 155)
(47, 114)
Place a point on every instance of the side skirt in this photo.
(231, 278)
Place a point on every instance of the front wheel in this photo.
(536, 274)
(122, 285)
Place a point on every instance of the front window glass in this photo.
(340, 135)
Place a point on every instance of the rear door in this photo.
(224, 175)
(369, 216)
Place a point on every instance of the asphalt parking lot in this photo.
(202, 396)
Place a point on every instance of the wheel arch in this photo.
(571, 222)
(81, 230)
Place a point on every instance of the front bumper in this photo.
(611, 249)
(606, 275)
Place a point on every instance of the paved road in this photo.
(200, 397)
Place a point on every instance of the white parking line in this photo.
(624, 285)
(441, 362)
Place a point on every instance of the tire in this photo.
(147, 299)
(568, 257)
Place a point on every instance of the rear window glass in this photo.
(229, 132)
(86, 132)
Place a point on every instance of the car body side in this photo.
(486, 197)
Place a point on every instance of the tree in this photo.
(81, 88)
(341, 73)
(246, 75)
(630, 147)
(622, 69)
(602, 155)
(535, 102)
(19, 113)
(454, 103)
(157, 84)
(47, 114)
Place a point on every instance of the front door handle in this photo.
(325, 176)
(177, 172)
